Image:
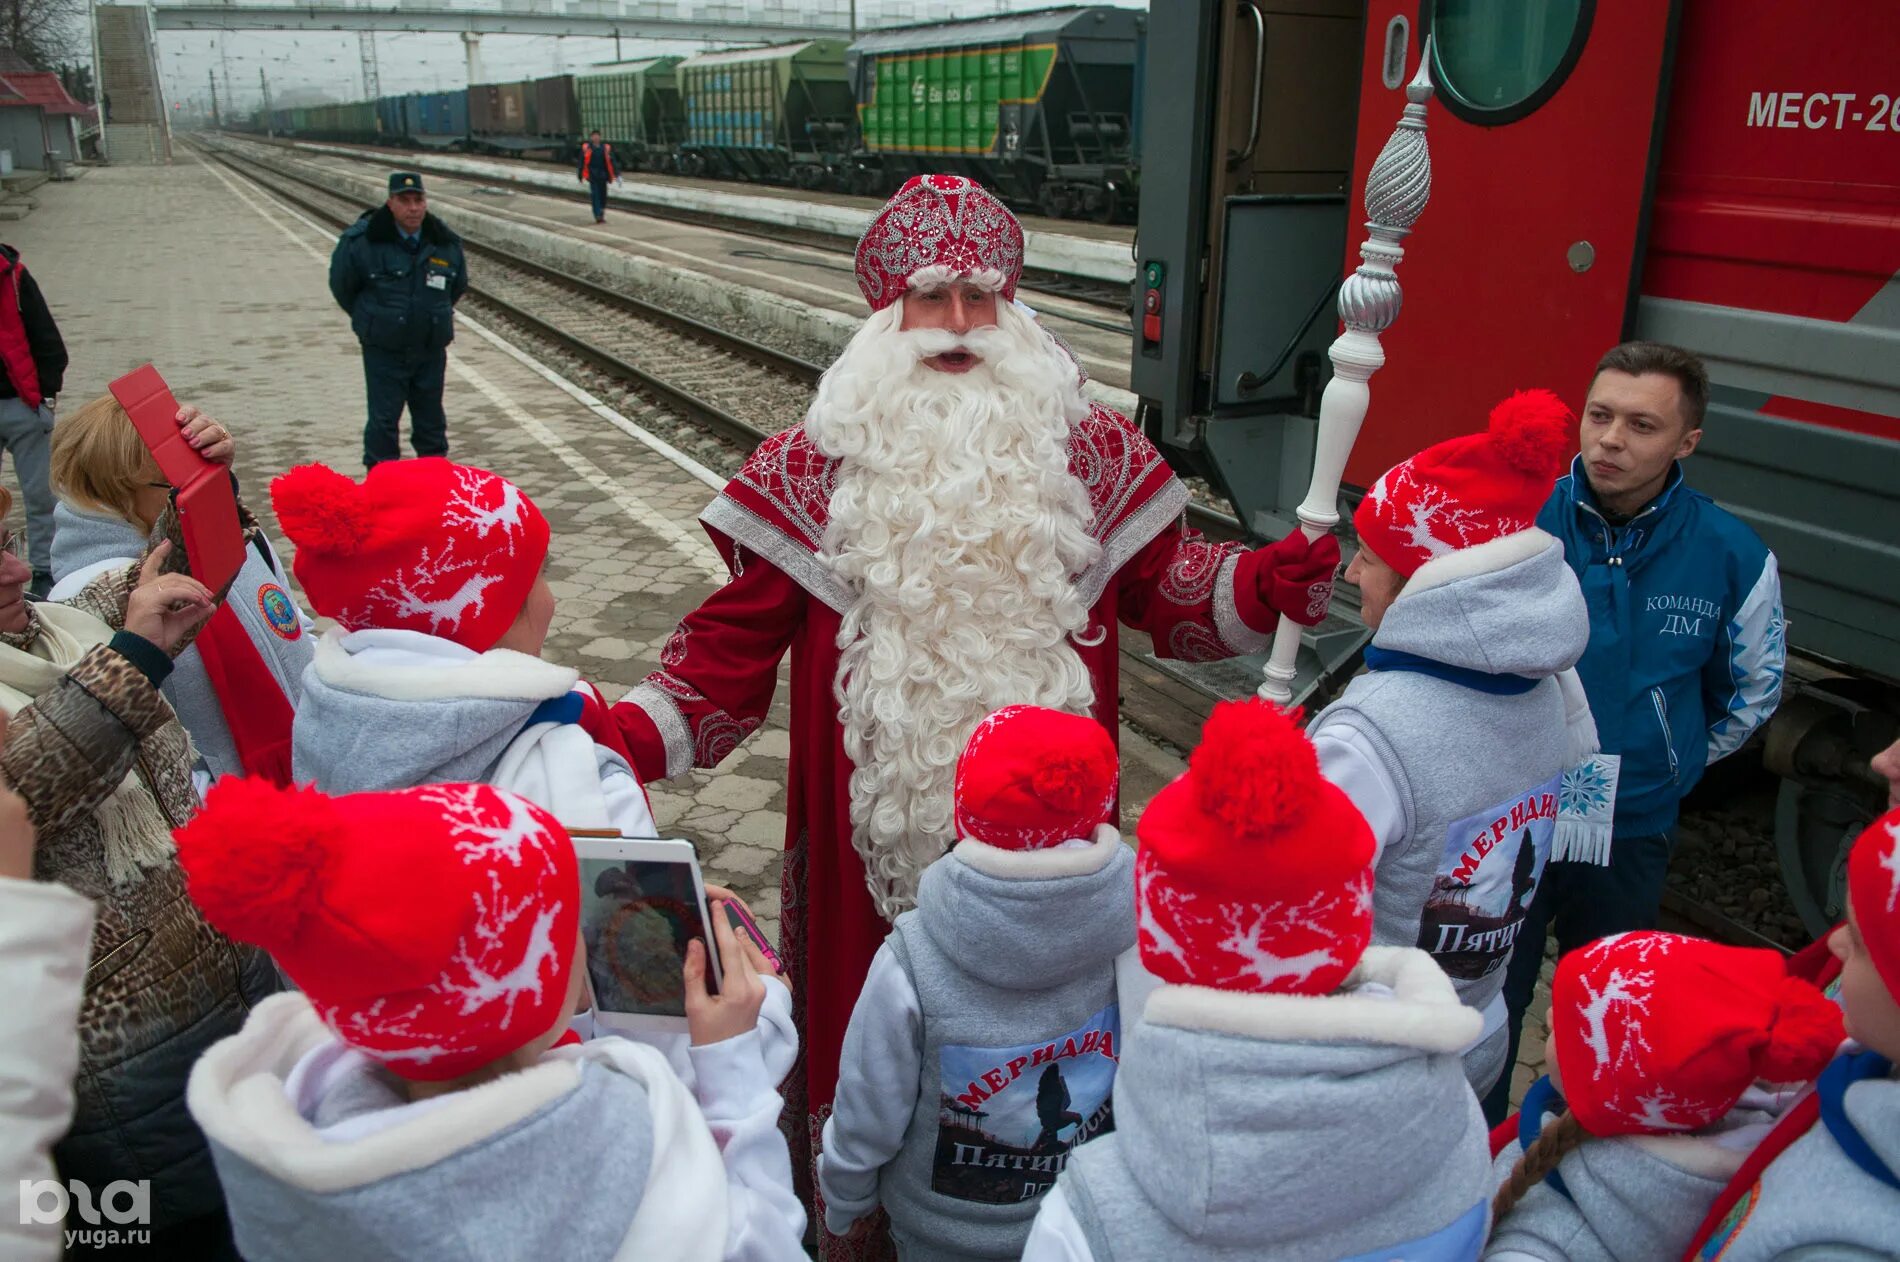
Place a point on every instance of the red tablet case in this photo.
(207, 508)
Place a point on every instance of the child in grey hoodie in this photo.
(406, 1103)
(1289, 1092)
(984, 1044)
(1826, 1181)
(1454, 743)
(1674, 1056)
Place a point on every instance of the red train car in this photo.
(1720, 174)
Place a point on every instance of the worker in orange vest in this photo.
(597, 169)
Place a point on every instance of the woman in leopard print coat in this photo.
(105, 770)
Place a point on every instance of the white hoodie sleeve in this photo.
(1056, 1236)
(628, 808)
(765, 1220)
(879, 1076)
(45, 940)
(1347, 759)
(778, 1035)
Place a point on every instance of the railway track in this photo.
(739, 390)
(1109, 297)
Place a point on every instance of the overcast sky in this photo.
(300, 64)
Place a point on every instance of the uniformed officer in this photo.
(399, 271)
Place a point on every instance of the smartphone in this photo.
(741, 921)
(642, 901)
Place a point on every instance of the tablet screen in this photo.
(637, 916)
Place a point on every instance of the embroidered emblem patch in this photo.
(281, 615)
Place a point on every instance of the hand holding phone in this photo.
(735, 1009)
(751, 937)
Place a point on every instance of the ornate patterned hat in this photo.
(939, 222)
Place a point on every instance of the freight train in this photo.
(1719, 174)
(1042, 106)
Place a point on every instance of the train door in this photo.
(1247, 113)
(1545, 132)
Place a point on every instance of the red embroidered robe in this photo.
(719, 669)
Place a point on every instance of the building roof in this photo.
(41, 88)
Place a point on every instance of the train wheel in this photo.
(1053, 201)
(1819, 743)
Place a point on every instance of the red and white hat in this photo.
(432, 929)
(1873, 887)
(1472, 489)
(1032, 777)
(1656, 1032)
(944, 226)
(420, 545)
(1255, 872)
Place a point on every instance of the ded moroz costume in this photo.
(929, 547)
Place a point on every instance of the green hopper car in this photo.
(1040, 106)
(635, 106)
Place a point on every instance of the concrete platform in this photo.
(805, 291)
(225, 291)
(1048, 244)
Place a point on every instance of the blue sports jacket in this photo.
(1687, 639)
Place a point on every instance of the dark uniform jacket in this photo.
(398, 301)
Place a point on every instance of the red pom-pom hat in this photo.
(1255, 872)
(944, 226)
(1656, 1032)
(1472, 489)
(433, 929)
(419, 545)
(1873, 888)
(1032, 777)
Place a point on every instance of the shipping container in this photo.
(779, 113)
(1037, 105)
(392, 117)
(442, 118)
(498, 110)
(555, 116)
(635, 105)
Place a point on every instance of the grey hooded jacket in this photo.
(1292, 1127)
(1478, 772)
(1012, 959)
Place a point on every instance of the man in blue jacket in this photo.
(399, 271)
(1687, 648)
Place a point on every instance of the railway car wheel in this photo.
(1818, 743)
(1814, 826)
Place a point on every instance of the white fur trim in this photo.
(1423, 1011)
(500, 674)
(1693, 1154)
(1041, 865)
(987, 278)
(1485, 558)
(236, 1094)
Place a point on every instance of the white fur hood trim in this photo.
(1488, 557)
(1040, 865)
(1423, 1010)
(410, 666)
(236, 1094)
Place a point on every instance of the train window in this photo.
(1496, 61)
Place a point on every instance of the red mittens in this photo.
(1294, 576)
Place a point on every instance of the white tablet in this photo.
(642, 901)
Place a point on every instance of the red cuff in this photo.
(1255, 612)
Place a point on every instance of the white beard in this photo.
(960, 529)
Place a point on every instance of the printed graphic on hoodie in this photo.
(1493, 861)
(1010, 1115)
